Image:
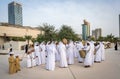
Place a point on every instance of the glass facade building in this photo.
(119, 26)
(84, 32)
(15, 13)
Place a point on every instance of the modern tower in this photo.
(119, 25)
(15, 13)
(85, 30)
(93, 33)
(97, 33)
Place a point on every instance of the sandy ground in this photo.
(108, 69)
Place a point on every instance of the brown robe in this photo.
(17, 63)
(12, 68)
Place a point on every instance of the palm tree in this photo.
(110, 37)
(28, 38)
(50, 33)
(115, 39)
(68, 33)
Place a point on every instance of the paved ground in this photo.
(108, 69)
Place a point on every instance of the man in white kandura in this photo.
(70, 53)
(37, 54)
(62, 52)
(43, 53)
(57, 56)
(79, 47)
(51, 50)
(103, 51)
(89, 57)
(92, 50)
(75, 51)
(31, 57)
(98, 55)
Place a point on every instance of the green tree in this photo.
(115, 39)
(50, 33)
(110, 38)
(100, 38)
(33, 40)
(28, 38)
(40, 38)
(92, 38)
(68, 33)
(17, 39)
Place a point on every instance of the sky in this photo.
(100, 13)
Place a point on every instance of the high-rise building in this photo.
(85, 30)
(119, 25)
(97, 33)
(93, 33)
(15, 13)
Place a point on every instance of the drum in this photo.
(82, 53)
